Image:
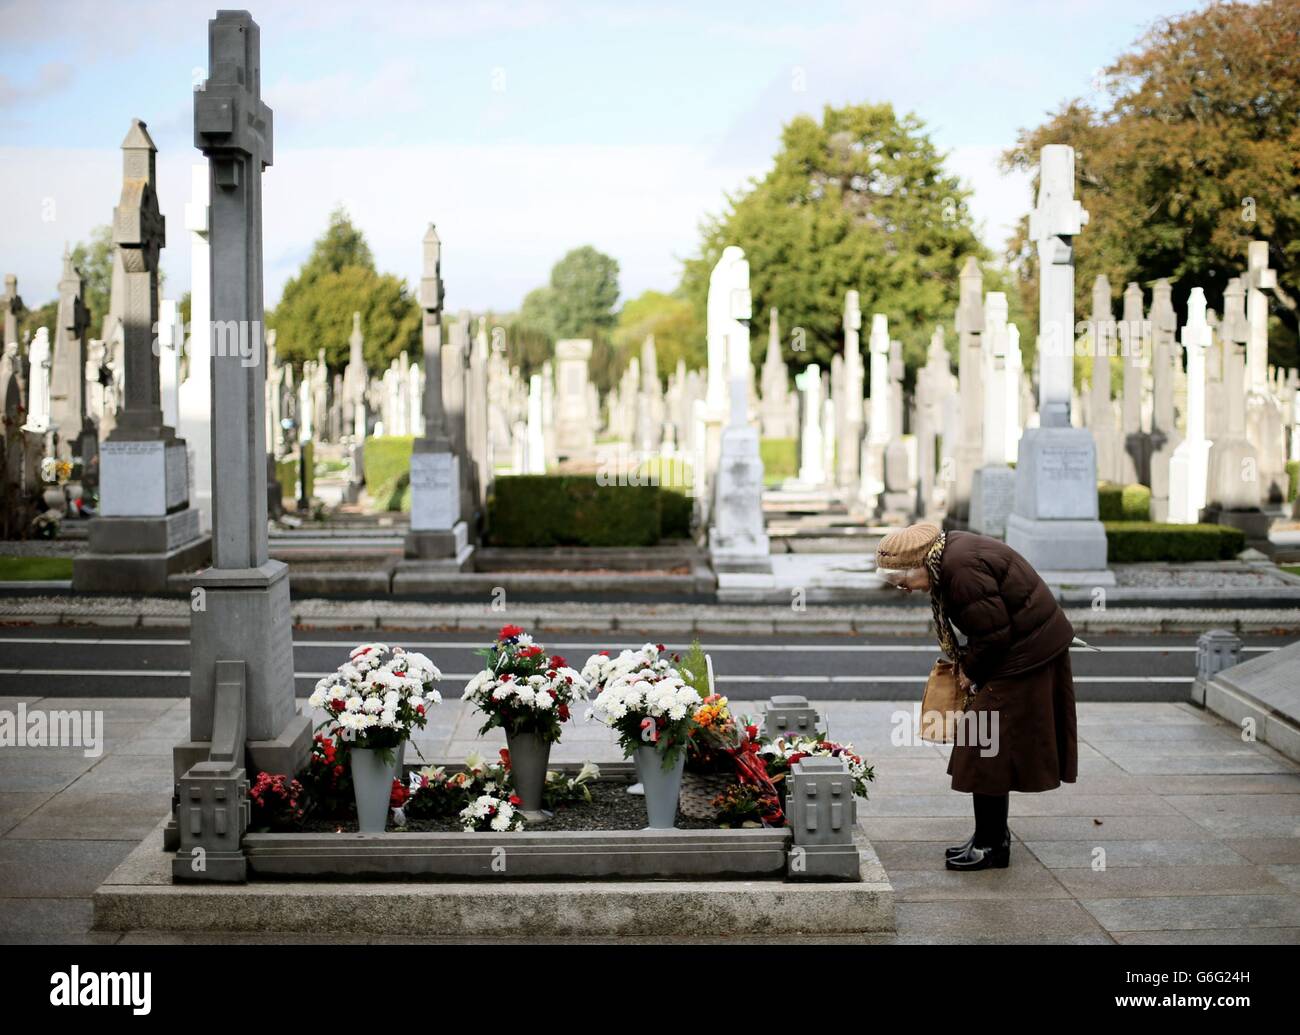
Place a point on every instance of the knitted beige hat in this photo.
(906, 547)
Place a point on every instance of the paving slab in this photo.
(1135, 852)
(57, 869)
(1189, 912)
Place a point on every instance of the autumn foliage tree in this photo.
(1192, 156)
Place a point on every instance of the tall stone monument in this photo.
(1234, 492)
(879, 431)
(146, 529)
(967, 453)
(1054, 525)
(1165, 365)
(77, 436)
(438, 530)
(1190, 464)
(242, 703)
(812, 454)
(1264, 417)
(779, 417)
(993, 487)
(848, 410)
(1135, 348)
(737, 538)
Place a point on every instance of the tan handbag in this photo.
(941, 704)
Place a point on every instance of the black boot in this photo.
(961, 849)
(990, 845)
(996, 858)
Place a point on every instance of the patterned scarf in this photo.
(947, 637)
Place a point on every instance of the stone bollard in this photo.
(1216, 650)
(790, 713)
(822, 814)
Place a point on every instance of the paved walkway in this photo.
(1177, 831)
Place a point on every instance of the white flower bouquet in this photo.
(521, 689)
(649, 707)
(378, 696)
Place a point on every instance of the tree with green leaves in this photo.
(338, 279)
(1192, 156)
(859, 199)
(673, 322)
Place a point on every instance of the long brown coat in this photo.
(1017, 653)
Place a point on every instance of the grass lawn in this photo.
(13, 569)
(1291, 569)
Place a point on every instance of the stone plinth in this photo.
(737, 538)
(1054, 524)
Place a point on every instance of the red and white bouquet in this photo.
(648, 704)
(521, 689)
(378, 696)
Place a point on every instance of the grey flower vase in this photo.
(662, 787)
(529, 754)
(372, 783)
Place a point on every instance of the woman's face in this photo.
(914, 579)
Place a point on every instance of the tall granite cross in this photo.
(241, 605)
(1053, 225)
(68, 376)
(139, 231)
(435, 417)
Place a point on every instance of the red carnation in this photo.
(516, 800)
(505, 757)
(564, 712)
(509, 632)
(559, 662)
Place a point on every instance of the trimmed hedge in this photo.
(1129, 542)
(1292, 479)
(1123, 502)
(675, 511)
(576, 510)
(780, 458)
(388, 470)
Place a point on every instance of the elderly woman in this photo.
(1014, 665)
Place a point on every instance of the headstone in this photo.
(195, 403)
(737, 538)
(650, 411)
(1264, 417)
(241, 646)
(455, 377)
(1054, 525)
(535, 451)
(438, 529)
(812, 472)
(935, 389)
(1165, 362)
(848, 406)
(68, 389)
(1233, 484)
(968, 451)
(146, 529)
(1135, 348)
(575, 421)
(476, 415)
(779, 418)
(1101, 411)
(993, 487)
(1189, 465)
(879, 430)
(11, 304)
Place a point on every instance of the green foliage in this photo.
(45, 316)
(1123, 502)
(695, 669)
(1191, 157)
(1292, 479)
(1130, 542)
(780, 459)
(858, 200)
(673, 321)
(95, 261)
(572, 510)
(667, 473)
(338, 279)
(388, 471)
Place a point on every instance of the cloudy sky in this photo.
(522, 129)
